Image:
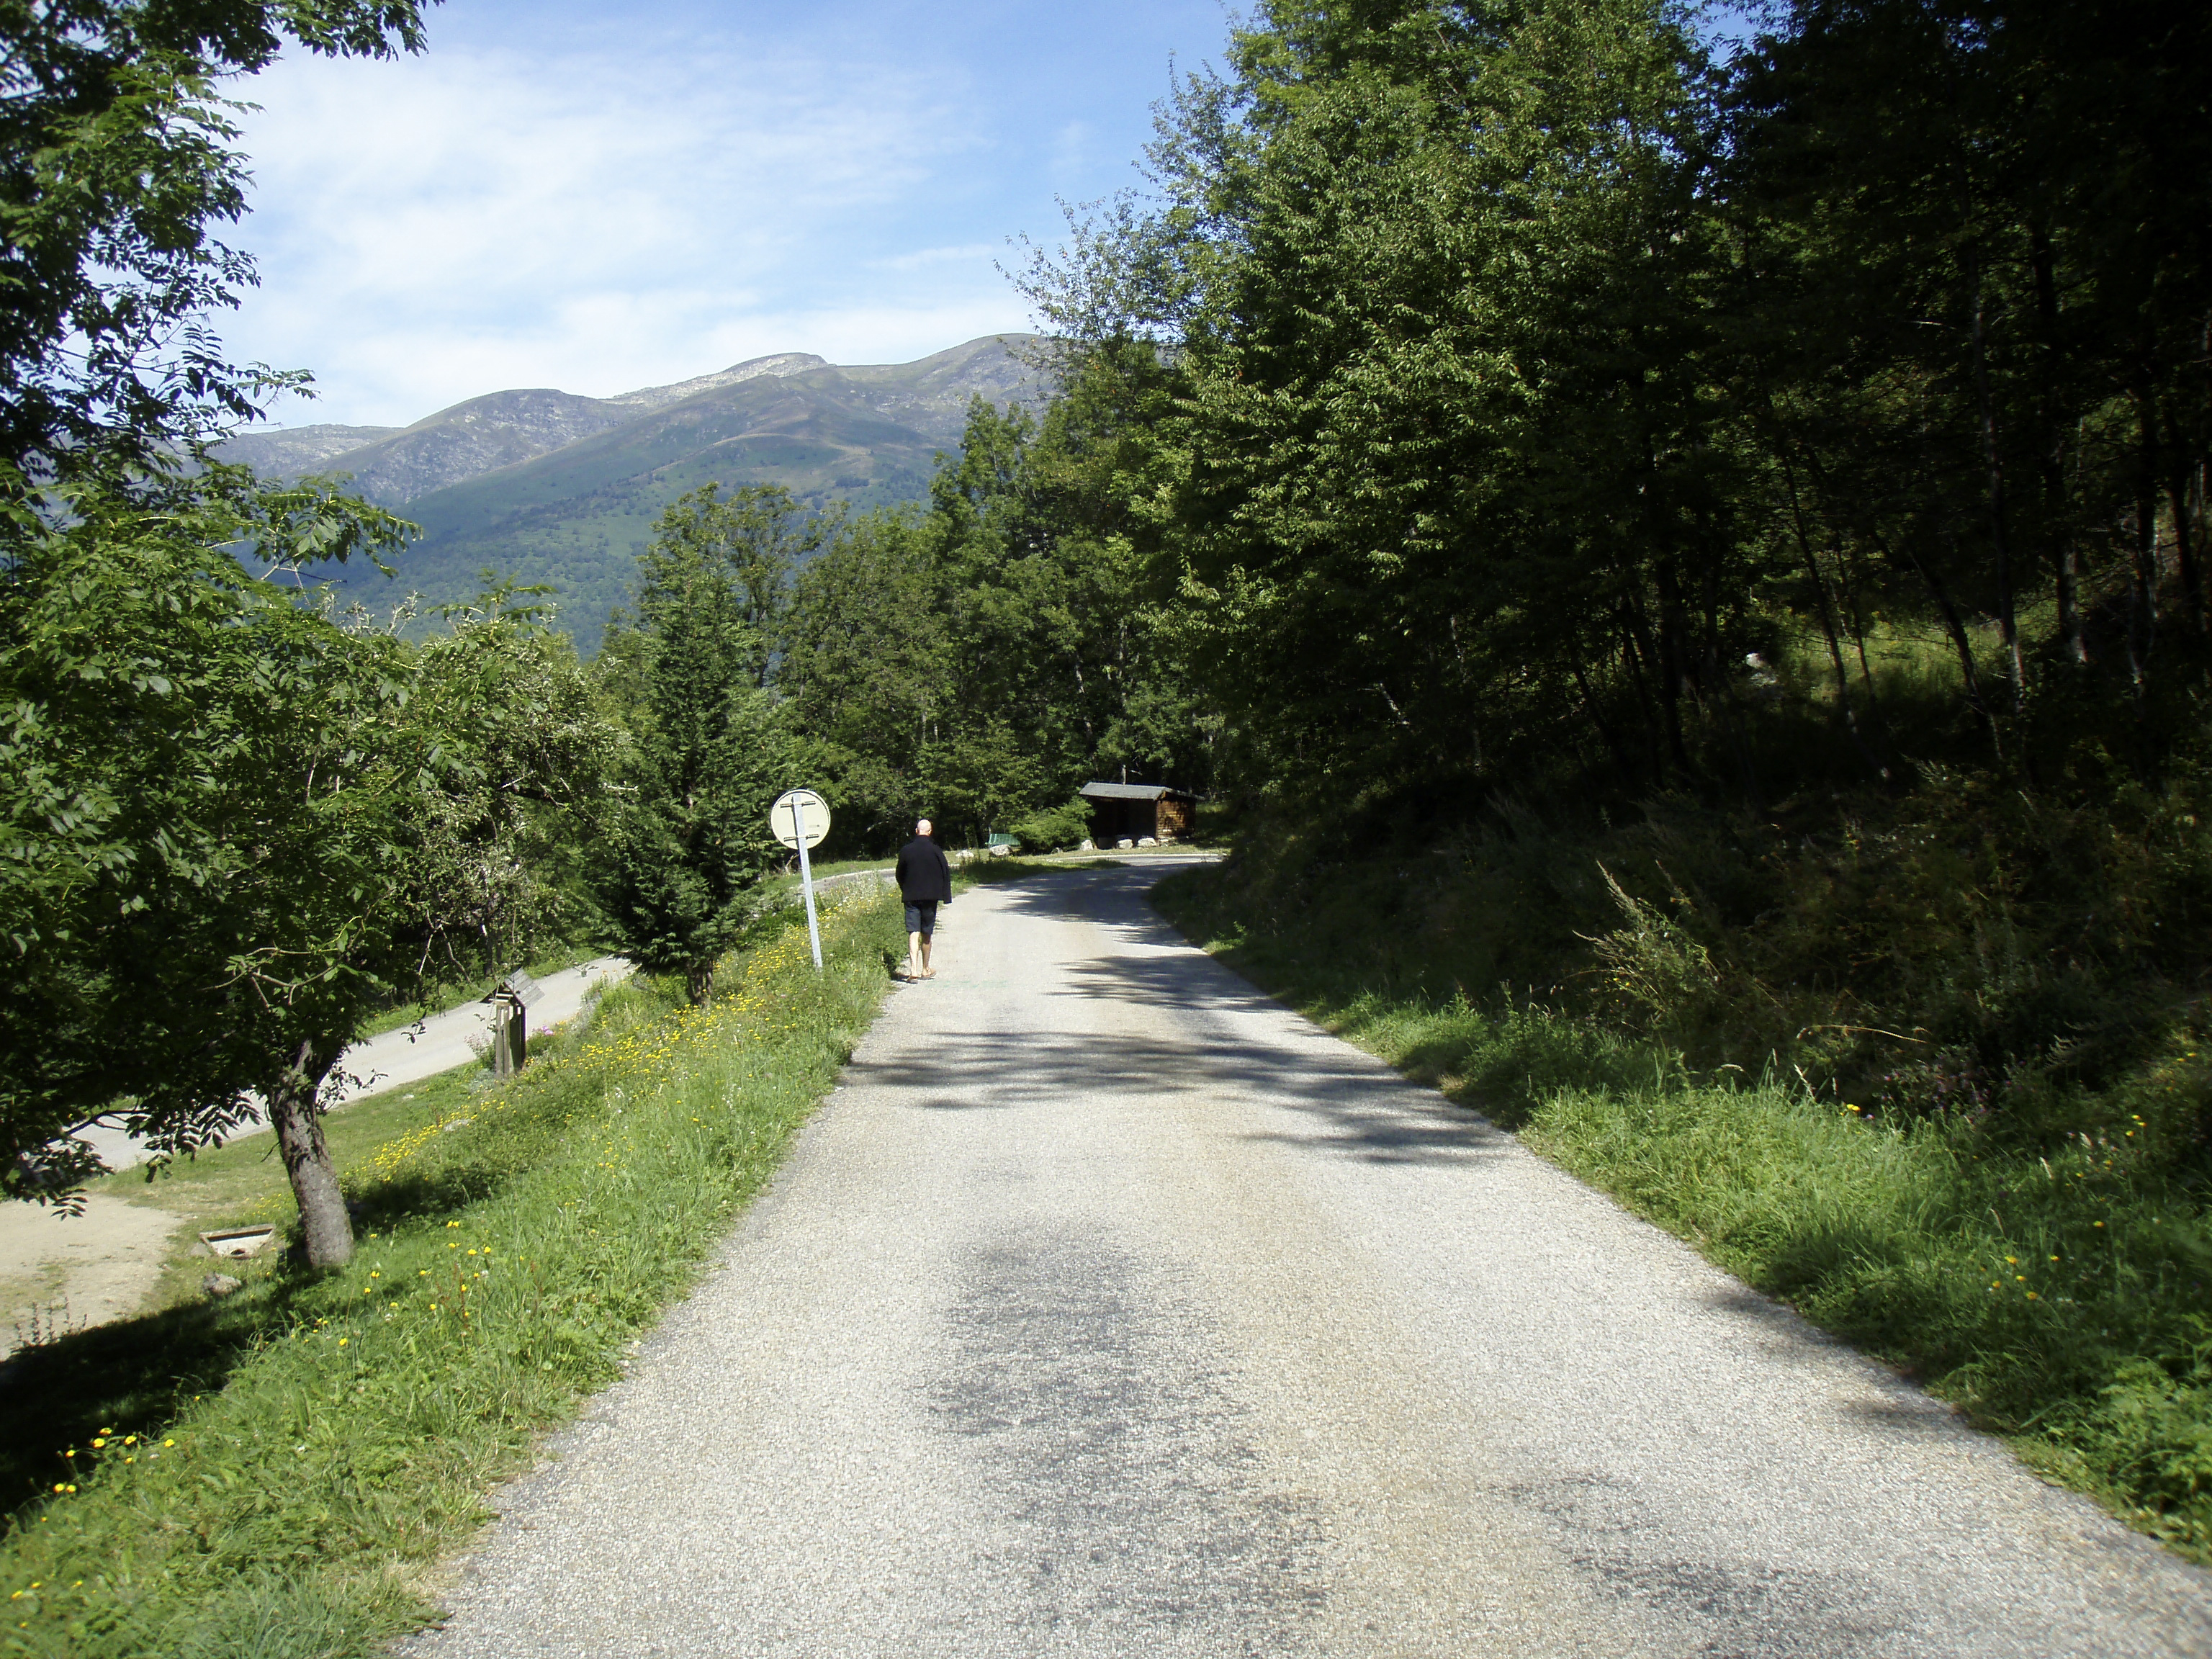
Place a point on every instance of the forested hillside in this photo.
(976, 657)
(557, 490)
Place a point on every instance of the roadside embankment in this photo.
(2047, 1275)
(277, 1471)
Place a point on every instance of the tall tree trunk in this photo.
(1961, 643)
(1674, 665)
(2051, 450)
(2179, 467)
(2142, 587)
(2066, 566)
(1846, 710)
(1877, 730)
(325, 1225)
(1604, 726)
(1721, 697)
(1848, 591)
(1634, 655)
(1993, 464)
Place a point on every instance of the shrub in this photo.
(1052, 829)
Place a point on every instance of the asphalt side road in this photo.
(1109, 1309)
(410, 1054)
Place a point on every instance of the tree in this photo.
(500, 862)
(199, 801)
(1440, 452)
(235, 828)
(710, 748)
(867, 666)
(235, 823)
(1973, 300)
(114, 164)
(981, 661)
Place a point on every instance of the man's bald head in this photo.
(923, 826)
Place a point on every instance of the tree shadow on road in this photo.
(1218, 1035)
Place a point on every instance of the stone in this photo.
(222, 1284)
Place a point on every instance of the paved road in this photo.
(415, 1052)
(1110, 1310)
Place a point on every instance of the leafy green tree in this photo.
(1440, 453)
(235, 823)
(868, 666)
(500, 868)
(235, 828)
(1972, 304)
(711, 750)
(985, 659)
(203, 810)
(982, 777)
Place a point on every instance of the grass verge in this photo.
(2059, 1297)
(276, 1472)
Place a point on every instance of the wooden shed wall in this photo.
(1162, 820)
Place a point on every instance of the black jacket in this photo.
(922, 872)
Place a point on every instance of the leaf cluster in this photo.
(116, 165)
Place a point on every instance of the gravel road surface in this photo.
(1110, 1310)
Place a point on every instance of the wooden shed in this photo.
(1132, 811)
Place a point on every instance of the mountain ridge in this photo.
(552, 487)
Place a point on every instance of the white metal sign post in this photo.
(800, 819)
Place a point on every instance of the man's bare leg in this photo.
(928, 972)
(917, 955)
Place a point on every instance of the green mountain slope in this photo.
(574, 516)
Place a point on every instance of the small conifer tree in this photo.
(711, 749)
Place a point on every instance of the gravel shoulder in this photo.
(61, 1273)
(1111, 1308)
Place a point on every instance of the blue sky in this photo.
(553, 195)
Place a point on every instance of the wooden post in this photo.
(509, 1035)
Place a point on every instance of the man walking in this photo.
(924, 881)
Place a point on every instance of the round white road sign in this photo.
(799, 815)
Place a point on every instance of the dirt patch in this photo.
(63, 1273)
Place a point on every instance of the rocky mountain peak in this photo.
(779, 364)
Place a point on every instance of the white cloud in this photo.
(481, 218)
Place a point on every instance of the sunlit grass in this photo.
(270, 1473)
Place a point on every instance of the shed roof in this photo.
(1134, 792)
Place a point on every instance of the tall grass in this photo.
(272, 1472)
